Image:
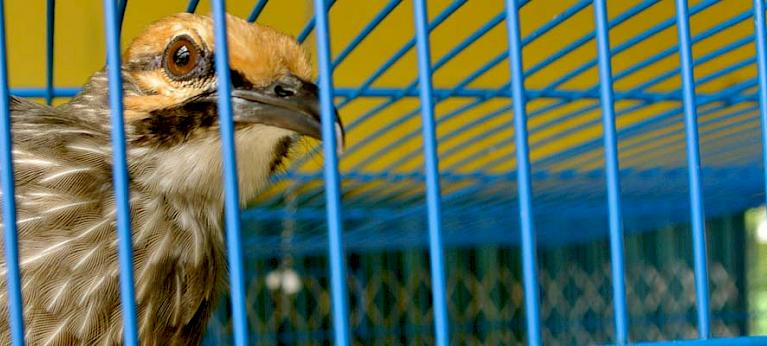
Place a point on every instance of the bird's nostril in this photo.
(281, 91)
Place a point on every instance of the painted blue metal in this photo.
(122, 6)
(10, 240)
(693, 159)
(459, 89)
(591, 93)
(656, 122)
(310, 25)
(362, 91)
(483, 95)
(191, 7)
(670, 152)
(727, 117)
(492, 23)
(761, 52)
(642, 36)
(644, 148)
(359, 91)
(231, 189)
(442, 95)
(42, 92)
(385, 11)
(613, 176)
(503, 91)
(621, 18)
(643, 126)
(649, 175)
(50, 17)
(120, 173)
(257, 10)
(439, 19)
(526, 215)
(431, 166)
(635, 93)
(332, 179)
(487, 94)
(741, 341)
(623, 46)
(638, 91)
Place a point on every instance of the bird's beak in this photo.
(289, 103)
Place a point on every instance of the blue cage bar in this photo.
(693, 165)
(613, 176)
(332, 179)
(660, 148)
(231, 193)
(528, 243)
(433, 194)
(15, 308)
(120, 173)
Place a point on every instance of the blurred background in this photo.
(383, 189)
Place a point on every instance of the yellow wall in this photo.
(79, 47)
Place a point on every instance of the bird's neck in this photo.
(194, 170)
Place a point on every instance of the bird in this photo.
(63, 168)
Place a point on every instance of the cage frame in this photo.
(516, 91)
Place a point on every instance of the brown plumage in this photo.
(66, 209)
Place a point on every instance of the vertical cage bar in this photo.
(120, 173)
(231, 191)
(761, 65)
(693, 167)
(332, 178)
(123, 4)
(13, 275)
(527, 226)
(612, 171)
(431, 161)
(50, 19)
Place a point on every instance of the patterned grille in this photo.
(390, 303)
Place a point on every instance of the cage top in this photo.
(384, 204)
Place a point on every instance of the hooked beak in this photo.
(289, 103)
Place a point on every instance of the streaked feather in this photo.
(66, 225)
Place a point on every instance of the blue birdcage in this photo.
(517, 172)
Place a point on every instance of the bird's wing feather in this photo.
(67, 242)
(65, 232)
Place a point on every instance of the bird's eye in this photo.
(181, 58)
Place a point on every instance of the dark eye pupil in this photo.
(181, 58)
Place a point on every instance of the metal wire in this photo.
(434, 214)
(332, 179)
(120, 173)
(231, 191)
(10, 237)
(581, 179)
(50, 17)
(613, 174)
(761, 51)
(693, 164)
(526, 216)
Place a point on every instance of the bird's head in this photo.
(171, 96)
